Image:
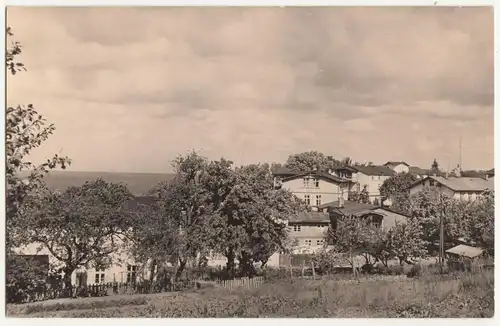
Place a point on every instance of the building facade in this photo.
(455, 187)
(316, 188)
(369, 177)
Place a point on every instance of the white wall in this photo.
(373, 184)
(401, 168)
(329, 191)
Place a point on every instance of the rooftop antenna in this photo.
(460, 152)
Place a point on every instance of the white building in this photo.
(455, 187)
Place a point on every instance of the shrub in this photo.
(415, 271)
(25, 278)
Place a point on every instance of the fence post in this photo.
(303, 267)
(314, 272)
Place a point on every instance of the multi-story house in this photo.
(455, 187)
(380, 217)
(370, 177)
(315, 187)
(310, 229)
(398, 167)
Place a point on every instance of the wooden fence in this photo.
(99, 290)
(244, 282)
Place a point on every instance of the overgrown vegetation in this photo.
(460, 295)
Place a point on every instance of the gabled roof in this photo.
(350, 207)
(462, 184)
(137, 183)
(419, 171)
(322, 175)
(284, 172)
(465, 251)
(394, 163)
(375, 170)
(311, 217)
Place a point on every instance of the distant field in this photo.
(464, 295)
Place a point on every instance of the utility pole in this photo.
(441, 235)
(460, 152)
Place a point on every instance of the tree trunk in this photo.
(230, 265)
(180, 269)
(152, 271)
(68, 271)
(246, 265)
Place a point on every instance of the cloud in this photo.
(257, 84)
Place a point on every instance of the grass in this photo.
(459, 295)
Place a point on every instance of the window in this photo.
(307, 198)
(99, 275)
(320, 242)
(375, 221)
(296, 228)
(131, 273)
(307, 182)
(308, 242)
(318, 200)
(431, 182)
(373, 177)
(316, 183)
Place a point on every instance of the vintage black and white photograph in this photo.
(279, 162)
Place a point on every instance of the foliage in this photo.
(24, 278)
(435, 167)
(463, 295)
(360, 196)
(406, 243)
(312, 160)
(25, 130)
(462, 219)
(481, 225)
(81, 226)
(250, 222)
(353, 236)
(177, 228)
(397, 189)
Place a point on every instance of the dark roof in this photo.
(419, 171)
(318, 174)
(137, 183)
(473, 174)
(350, 207)
(374, 170)
(462, 184)
(396, 163)
(283, 172)
(311, 217)
(348, 168)
(490, 172)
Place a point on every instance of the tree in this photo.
(397, 189)
(406, 243)
(309, 161)
(81, 226)
(362, 196)
(429, 205)
(250, 222)
(435, 168)
(352, 236)
(178, 226)
(25, 130)
(481, 227)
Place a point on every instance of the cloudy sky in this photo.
(129, 89)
